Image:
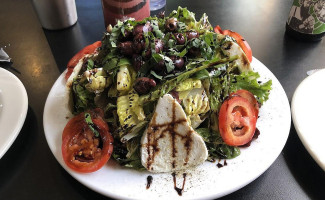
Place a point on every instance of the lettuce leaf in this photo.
(223, 85)
(249, 81)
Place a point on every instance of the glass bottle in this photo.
(114, 10)
(306, 20)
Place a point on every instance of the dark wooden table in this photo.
(29, 170)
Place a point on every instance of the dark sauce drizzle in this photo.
(255, 136)
(179, 190)
(149, 181)
(219, 165)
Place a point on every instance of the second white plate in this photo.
(307, 107)
(13, 108)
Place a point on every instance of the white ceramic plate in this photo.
(307, 107)
(13, 109)
(205, 182)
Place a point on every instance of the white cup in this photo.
(56, 14)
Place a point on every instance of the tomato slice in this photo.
(250, 97)
(82, 151)
(75, 59)
(237, 121)
(240, 40)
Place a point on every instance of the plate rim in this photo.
(214, 195)
(23, 112)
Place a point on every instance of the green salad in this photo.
(141, 61)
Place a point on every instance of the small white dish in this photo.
(13, 108)
(206, 181)
(307, 107)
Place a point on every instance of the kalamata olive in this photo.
(179, 62)
(159, 46)
(171, 24)
(159, 67)
(138, 29)
(137, 61)
(142, 28)
(179, 38)
(173, 58)
(143, 85)
(126, 48)
(193, 51)
(192, 34)
(139, 43)
(127, 36)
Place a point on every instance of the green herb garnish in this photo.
(91, 124)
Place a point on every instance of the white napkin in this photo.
(4, 56)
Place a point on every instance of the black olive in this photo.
(137, 61)
(142, 28)
(173, 58)
(143, 85)
(138, 29)
(193, 51)
(138, 43)
(159, 67)
(126, 37)
(192, 34)
(179, 62)
(126, 48)
(171, 24)
(179, 38)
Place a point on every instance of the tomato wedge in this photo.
(237, 121)
(240, 40)
(82, 151)
(250, 97)
(75, 59)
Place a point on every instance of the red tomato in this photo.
(81, 150)
(250, 97)
(75, 59)
(240, 40)
(237, 121)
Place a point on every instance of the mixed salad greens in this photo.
(140, 61)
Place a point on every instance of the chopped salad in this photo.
(120, 80)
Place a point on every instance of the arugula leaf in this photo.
(90, 64)
(203, 74)
(219, 88)
(204, 132)
(156, 30)
(215, 145)
(156, 75)
(129, 155)
(222, 151)
(91, 124)
(83, 99)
